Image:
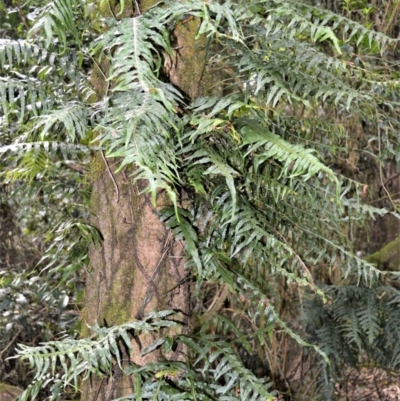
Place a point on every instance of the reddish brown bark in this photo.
(138, 267)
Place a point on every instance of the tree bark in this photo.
(138, 267)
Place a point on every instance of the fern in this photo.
(30, 93)
(86, 356)
(94, 356)
(73, 116)
(263, 203)
(57, 18)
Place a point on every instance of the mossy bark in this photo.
(138, 267)
(132, 272)
(387, 258)
(9, 393)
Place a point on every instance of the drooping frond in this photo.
(58, 18)
(296, 160)
(72, 116)
(36, 157)
(220, 371)
(26, 94)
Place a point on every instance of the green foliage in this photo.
(80, 358)
(33, 305)
(255, 162)
(358, 318)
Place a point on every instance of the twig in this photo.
(130, 195)
(150, 279)
(99, 389)
(139, 266)
(218, 301)
(111, 10)
(138, 8)
(166, 249)
(10, 343)
(111, 175)
(150, 282)
(76, 167)
(22, 16)
(154, 5)
(103, 74)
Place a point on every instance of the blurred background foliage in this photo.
(42, 248)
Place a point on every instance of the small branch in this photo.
(111, 10)
(103, 74)
(76, 167)
(166, 249)
(112, 176)
(138, 8)
(130, 196)
(149, 280)
(10, 343)
(391, 178)
(22, 16)
(218, 301)
(155, 5)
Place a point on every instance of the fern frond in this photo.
(25, 95)
(87, 355)
(23, 52)
(177, 220)
(298, 161)
(50, 147)
(35, 158)
(230, 368)
(57, 17)
(73, 116)
(19, 96)
(367, 315)
(308, 19)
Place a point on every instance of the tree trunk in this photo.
(138, 267)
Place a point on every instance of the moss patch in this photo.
(97, 166)
(387, 258)
(112, 8)
(9, 393)
(146, 4)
